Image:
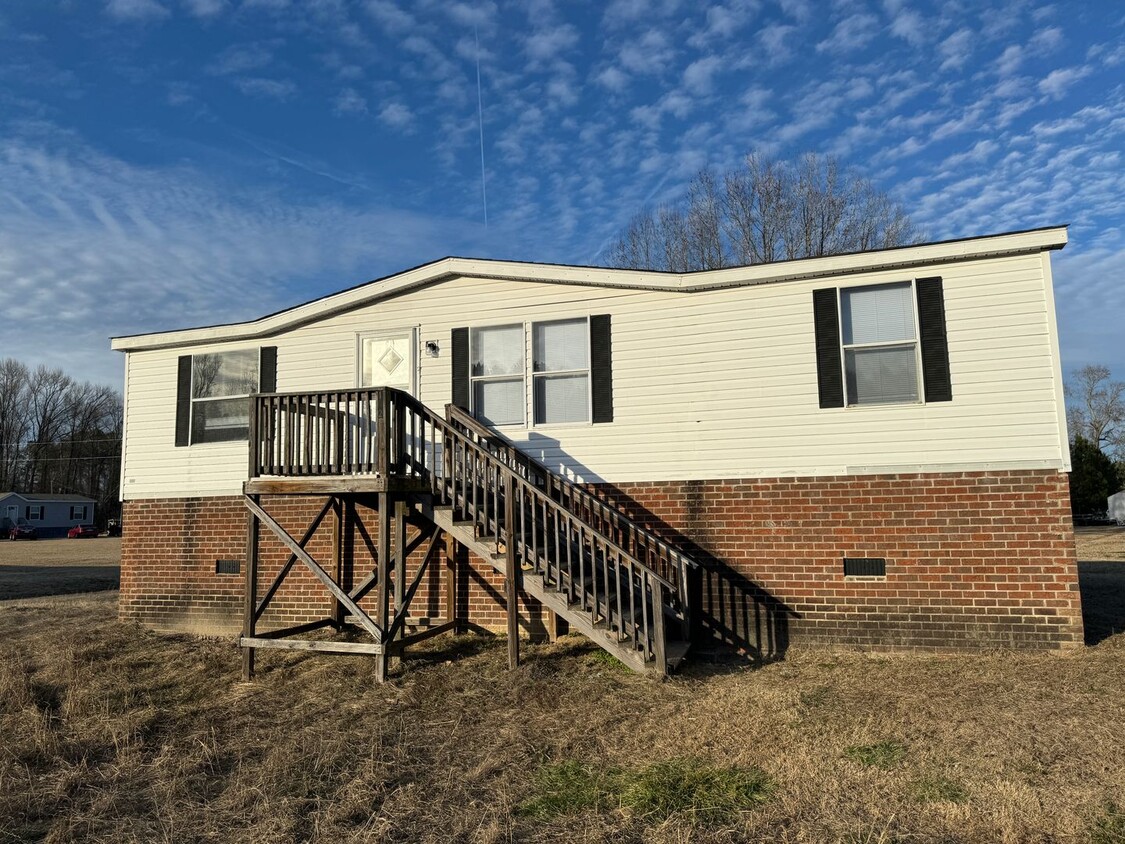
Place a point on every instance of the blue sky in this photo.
(168, 163)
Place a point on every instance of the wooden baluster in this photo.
(513, 580)
(658, 641)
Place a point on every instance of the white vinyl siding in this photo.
(711, 384)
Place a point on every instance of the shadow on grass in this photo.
(1102, 585)
(40, 581)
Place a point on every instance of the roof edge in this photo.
(961, 249)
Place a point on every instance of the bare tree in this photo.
(764, 211)
(58, 435)
(1096, 408)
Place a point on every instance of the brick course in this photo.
(973, 559)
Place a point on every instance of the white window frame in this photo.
(35, 512)
(475, 379)
(588, 372)
(191, 395)
(916, 342)
(81, 517)
(529, 374)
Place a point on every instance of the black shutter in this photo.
(826, 320)
(267, 369)
(27, 513)
(460, 391)
(183, 402)
(935, 349)
(601, 369)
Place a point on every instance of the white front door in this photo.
(389, 359)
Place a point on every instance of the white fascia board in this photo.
(447, 268)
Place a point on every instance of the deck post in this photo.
(400, 562)
(338, 614)
(513, 573)
(450, 578)
(383, 569)
(250, 594)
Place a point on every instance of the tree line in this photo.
(1095, 414)
(58, 435)
(764, 210)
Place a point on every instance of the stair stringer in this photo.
(533, 585)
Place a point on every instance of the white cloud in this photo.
(613, 79)
(1057, 81)
(771, 40)
(956, 49)
(390, 16)
(1047, 39)
(136, 10)
(699, 76)
(397, 116)
(548, 44)
(1010, 60)
(349, 101)
(274, 89)
(205, 8)
(91, 247)
(911, 27)
(239, 58)
(651, 53)
(854, 32)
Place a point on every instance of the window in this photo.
(35, 512)
(497, 374)
(221, 384)
(880, 345)
(78, 513)
(561, 371)
(542, 373)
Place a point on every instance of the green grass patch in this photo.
(685, 787)
(606, 659)
(1109, 827)
(883, 754)
(939, 789)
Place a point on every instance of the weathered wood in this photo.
(659, 642)
(512, 582)
(332, 484)
(375, 648)
(427, 633)
(281, 575)
(364, 620)
(296, 629)
(450, 577)
(338, 519)
(384, 568)
(403, 606)
(250, 593)
(400, 558)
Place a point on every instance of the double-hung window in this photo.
(548, 372)
(558, 373)
(561, 371)
(221, 384)
(880, 345)
(35, 513)
(497, 373)
(78, 513)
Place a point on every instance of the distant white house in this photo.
(50, 515)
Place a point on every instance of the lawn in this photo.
(109, 732)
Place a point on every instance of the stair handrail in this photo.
(568, 488)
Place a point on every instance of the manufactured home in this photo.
(52, 515)
(868, 449)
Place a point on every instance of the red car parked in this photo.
(82, 532)
(23, 532)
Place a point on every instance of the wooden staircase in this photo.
(581, 557)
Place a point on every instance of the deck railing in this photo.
(623, 576)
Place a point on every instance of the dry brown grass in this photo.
(58, 566)
(113, 733)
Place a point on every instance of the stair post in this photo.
(659, 639)
(513, 572)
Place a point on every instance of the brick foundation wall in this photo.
(170, 548)
(975, 559)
